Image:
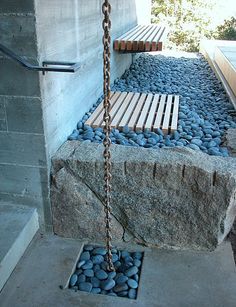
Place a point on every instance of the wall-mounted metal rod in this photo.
(53, 66)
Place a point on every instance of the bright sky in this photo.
(223, 10)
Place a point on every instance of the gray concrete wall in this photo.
(23, 167)
(38, 112)
(76, 35)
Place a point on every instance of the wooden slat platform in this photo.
(139, 112)
(141, 39)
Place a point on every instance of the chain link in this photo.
(106, 9)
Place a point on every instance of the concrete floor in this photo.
(169, 278)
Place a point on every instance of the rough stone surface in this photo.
(171, 197)
(231, 141)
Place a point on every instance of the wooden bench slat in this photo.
(132, 42)
(134, 118)
(158, 120)
(144, 38)
(98, 122)
(129, 111)
(144, 112)
(156, 40)
(148, 43)
(123, 40)
(175, 114)
(152, 112)
(96, 113)
(116, 106)
(125, 104)
(166, 121)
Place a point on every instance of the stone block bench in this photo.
(176, 198)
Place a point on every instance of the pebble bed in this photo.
(91, 274)
(205, 110)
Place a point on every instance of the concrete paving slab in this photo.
(169, 278)
(18, 225)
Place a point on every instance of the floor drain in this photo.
(91, 274)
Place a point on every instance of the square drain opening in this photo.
(91, 274)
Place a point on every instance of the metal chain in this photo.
(106, 9)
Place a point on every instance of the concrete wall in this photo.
(76, 35)
(23, 167)
(38, 112)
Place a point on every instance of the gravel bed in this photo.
(205, 110)
(91, 274)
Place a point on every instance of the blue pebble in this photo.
(85, 286)
(108, 284)
(212, 144)
(132, 283)
(193, 146)
(101, 274)
(88, 248)
(121, 279)
(121, 287)
(196, 142)
(128, 259)
(98, 259)
(111, 275)
(96, 290)
(95, 282)
(115, 257)
(96, 267)
(131, 271)
(112, 294)
(80, 125)
(214, 151)
(137, 263)
(99, 251)
(117, 264)
(123, 294)
(85, 256)
(136, 277)
(89, 273)
(81, 278)
(80, 264)
(137, 255)
(87, 265)
(73, 280)
(132, 294)
(125, 129)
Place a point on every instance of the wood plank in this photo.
(129, 44)
(148, 43)
(136, 112)
(144, 113)
(166, 121)
(152, 112)
(129, 111)
(156, 39)
(98, 122)
(175, 115)
(119, 115)
(139, 38)
(158, 120)
(116, 106)
(123, 41)
(117, 41)
(145, 38)
(96, 113)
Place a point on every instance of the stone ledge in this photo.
(175, 198)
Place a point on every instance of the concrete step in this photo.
(18, 225)
(168, 279)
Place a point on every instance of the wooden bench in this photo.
(139, 112)
(141, 39)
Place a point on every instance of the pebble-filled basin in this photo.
(91, 274)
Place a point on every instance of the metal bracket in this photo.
(53, 66)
